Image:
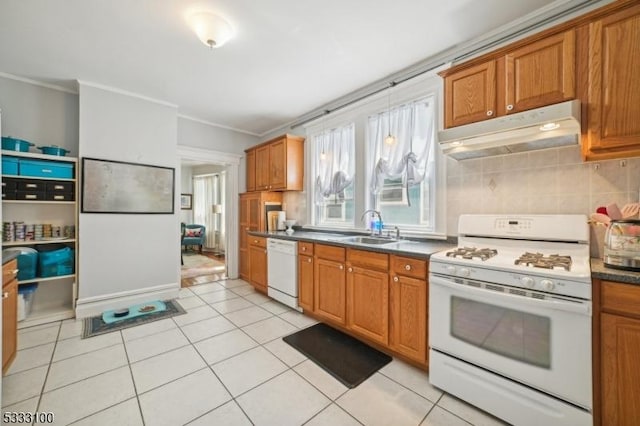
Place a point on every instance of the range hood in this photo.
(547, 127)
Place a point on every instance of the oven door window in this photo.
(517, 335)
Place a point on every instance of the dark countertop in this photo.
(9, 256)
(598, 270)
(415, 248)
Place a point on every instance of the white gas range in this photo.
(510, 317)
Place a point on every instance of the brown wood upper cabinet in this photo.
(611, 86)
(276, 165)
(537, 74)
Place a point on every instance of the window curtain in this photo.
(334, 161)
(207, 192)
(407, 158)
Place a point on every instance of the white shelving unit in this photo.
(55, 297)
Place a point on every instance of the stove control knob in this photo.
(451, 269)
(527, 281)
(547, 285)
(464, 272)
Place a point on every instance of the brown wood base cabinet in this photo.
(330, 287)
(305, 276)
(258, 262)
(619, 352)
(9, 314)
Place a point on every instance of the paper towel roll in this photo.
(281, 218)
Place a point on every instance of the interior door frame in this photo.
(232, 164)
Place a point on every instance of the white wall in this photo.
(123, 257)
(201, 135)
(39, 114)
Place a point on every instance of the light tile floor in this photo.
(222, 363)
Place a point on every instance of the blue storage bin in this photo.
(53, 169)
(27, 262)
(9, 166)
(56, 262)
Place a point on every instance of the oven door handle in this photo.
(582, 307)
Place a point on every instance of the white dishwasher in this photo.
(282, 271)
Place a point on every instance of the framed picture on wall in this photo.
(186, 201)
(130, 188)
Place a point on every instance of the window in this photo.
(402, 173)
(334, 165)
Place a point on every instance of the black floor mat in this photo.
(345, 358)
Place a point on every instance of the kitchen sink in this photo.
(365, 240)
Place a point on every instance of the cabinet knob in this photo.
(407, 267)
(15, 271)
(489, 113)
(309, 260)
(265, 251)
(304, 249)
(5, 294)
(509, 107)
(350, 269)
(341, 267)
(395, 279)
(255, 241)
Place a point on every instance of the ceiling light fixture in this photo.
(390, 140)
(211, 29)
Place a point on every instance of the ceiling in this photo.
(288, 56)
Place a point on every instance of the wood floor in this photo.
(202, 279)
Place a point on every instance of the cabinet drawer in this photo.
(368, 259)
(58, 196)
(30, 195)
(257, 241)
(58, 187)
(9, 271)
(409, 267)
(330, 252)
(30, 185)
(622, 298)
(9, 184)
(305, 248)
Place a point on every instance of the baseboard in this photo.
(92, 306)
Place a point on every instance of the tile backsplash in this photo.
(549, 181)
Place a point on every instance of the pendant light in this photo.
(323, 156)
(390, 139)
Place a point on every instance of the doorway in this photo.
(209, 184)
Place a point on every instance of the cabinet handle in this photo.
(255, 241)
(5, 294)
(350, 269)
(489, 113)
(395, 279)
(309, 260)
(407, 267)
(30, 197)
(31, 185)
(15, 271)
(341, 267)
(509, 107)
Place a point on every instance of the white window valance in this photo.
(334, 156)
(412, 125)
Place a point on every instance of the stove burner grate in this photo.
(471, 252)
(538, 260)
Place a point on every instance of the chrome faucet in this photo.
(377, 213)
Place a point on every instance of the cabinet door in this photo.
(368, 303)
(254, 213)
(408, 328)
(330, 290)
(278, 158)
(9, 323)
(258, 267)
(620, 370)
(243, 236)
(251, 170)
(470, 95)
(540, 73)
(613, 127)
(305, 282)
(263, 168)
